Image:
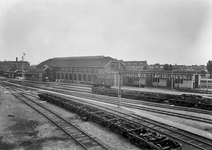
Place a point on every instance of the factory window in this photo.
(156, 79)
(136, 78)
(84, 77)
(70, 76)
(89, 77)
(179, 80)
(75, 77)
(79, 77)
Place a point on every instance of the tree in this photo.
(170, 67)
(202, 72)
(209, 66)
(167, 67)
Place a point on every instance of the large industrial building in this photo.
(104, 70)
(83, 69)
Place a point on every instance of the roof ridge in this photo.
(79, 57)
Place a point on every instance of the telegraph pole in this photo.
(172, 80)
(207, 83)
(1, 95)
(139, 78)
(119, 85)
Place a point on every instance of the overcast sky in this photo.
(159, 31)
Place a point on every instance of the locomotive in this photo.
(188, 100)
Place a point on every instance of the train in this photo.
(137, 134)
(188, 100)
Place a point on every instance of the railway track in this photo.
(139, 106)
(141, 102)
(189, 140)
(81, 137)
(86, 92)
(135, 104)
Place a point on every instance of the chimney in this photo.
(16, 58)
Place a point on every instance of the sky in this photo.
(159, 31)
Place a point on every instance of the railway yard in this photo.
(38, 116)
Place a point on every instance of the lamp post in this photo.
(172, 80)
(23, 68)
(139, 78)
(119, 85)
(1, 95)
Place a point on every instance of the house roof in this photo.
(87, 61)
(5, 62)
(12, 70)
(114, 62)
(135, 61)
(38, 70)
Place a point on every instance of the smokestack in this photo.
(16, 58)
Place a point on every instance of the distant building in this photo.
(189, 68)
(13, 66)
(135, 65)
(43, 73)
(156, 66)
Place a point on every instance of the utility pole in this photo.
(207, 83)
(172, 80)
(119, 85)
(23, 68)
(139, 78)
(1, 95)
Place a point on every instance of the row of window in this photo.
(156, 79)
(177, 80)
(160, 76)
(69, 76)
(76, 69)
(134, 66)
(156, 67)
